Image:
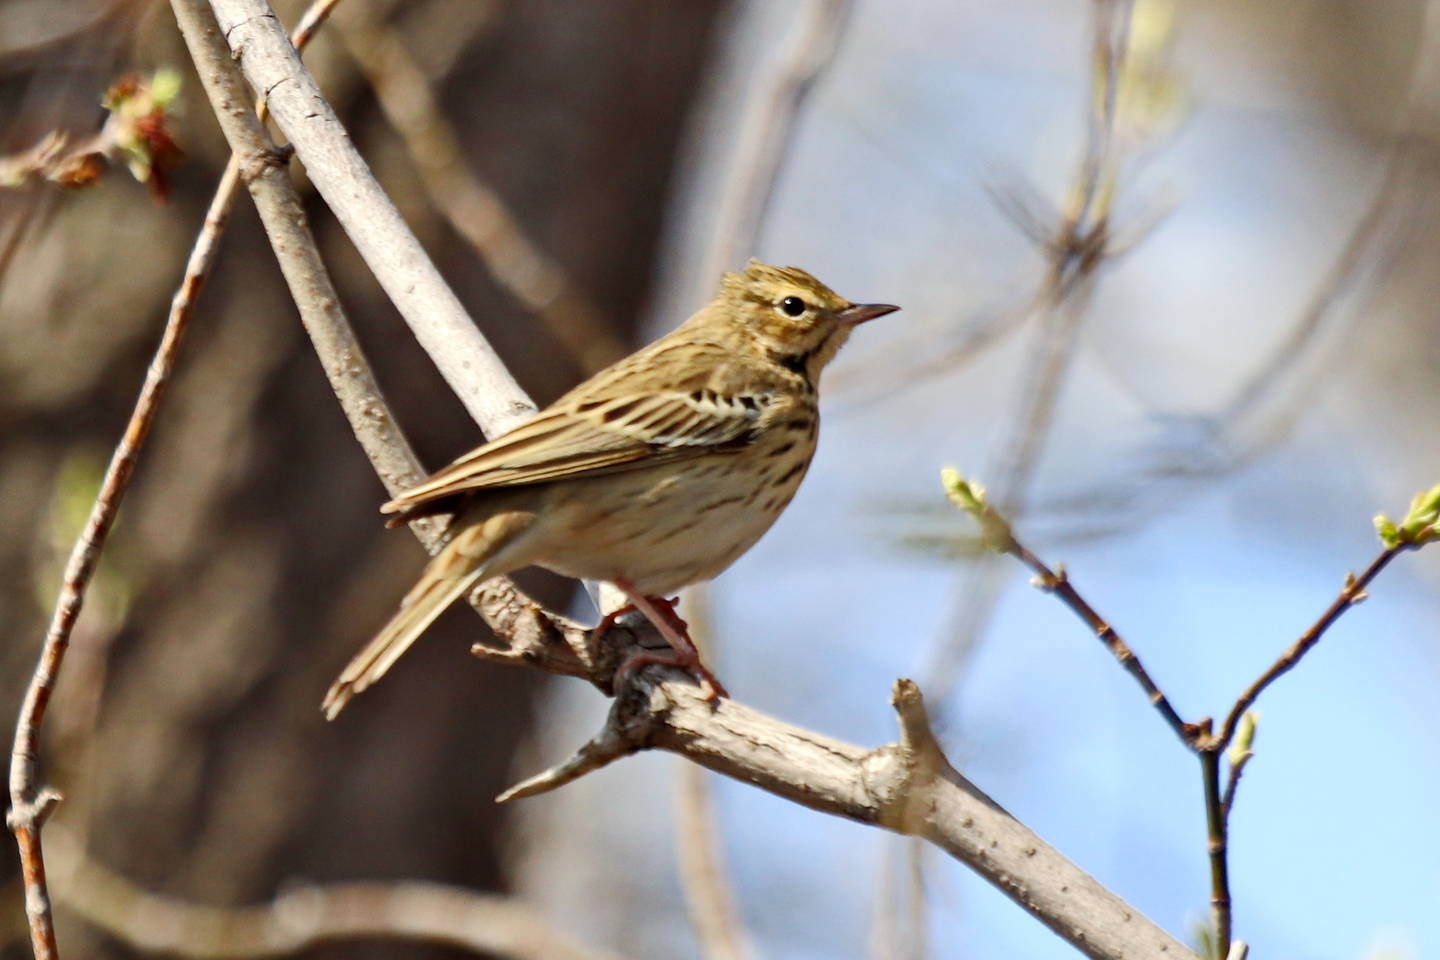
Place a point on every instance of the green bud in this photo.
(1385, 527)
(165, 86)
(1424, 512)
(1241, 746)
(966, 495)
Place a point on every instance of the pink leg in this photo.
(608, 621)
(675, 631)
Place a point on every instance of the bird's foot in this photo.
(661, 612)
(710, 687)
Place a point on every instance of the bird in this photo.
(656, 473)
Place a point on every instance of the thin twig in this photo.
(1217, 846)
(334, 340)
(767, 130)
(1058, 583)
(997, 532)
(1218, 803)
(29, 804)
(1352, 593)
(705, 880)
(1078, 247)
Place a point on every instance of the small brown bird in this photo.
(656, 473)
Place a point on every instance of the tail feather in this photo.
(463, 562)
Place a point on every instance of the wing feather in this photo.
(585, 437)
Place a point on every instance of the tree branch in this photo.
(906, 787)
(1352, 593)
(466, 360)
(998, 533)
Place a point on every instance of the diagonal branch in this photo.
(1352, 593)
(906, 787)
(466, 360)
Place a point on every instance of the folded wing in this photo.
(586, 437)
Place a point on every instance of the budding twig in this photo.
(971, 498)
(29, 803)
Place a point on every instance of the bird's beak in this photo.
(858, 313)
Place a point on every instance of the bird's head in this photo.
(794, 317)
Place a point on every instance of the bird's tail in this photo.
(463, 562)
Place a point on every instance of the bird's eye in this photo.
(793, 306)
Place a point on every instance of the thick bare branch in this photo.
(440, 323)
(906, 787)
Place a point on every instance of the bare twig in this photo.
(1415, 530)
(704, 879)
(1352, 593)
(473, 208)
(263, 168)
(767, 130)
(29, 804)
(1217, 844)
(307, 915)
(456, 346)
(1058, 583)
(998, 534)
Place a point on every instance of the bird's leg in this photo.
(683, 653)
(609, 620)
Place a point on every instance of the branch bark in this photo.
(907, 787)
(464, 357)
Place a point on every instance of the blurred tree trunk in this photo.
(249, 563)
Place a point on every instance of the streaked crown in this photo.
(794, 317)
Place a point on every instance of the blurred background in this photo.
(1168, 280)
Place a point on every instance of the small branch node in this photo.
(32, 815)
(906, 800)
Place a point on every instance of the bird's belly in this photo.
(662, 529)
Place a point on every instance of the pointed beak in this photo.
(858, 313)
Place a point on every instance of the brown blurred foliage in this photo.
(248, 561)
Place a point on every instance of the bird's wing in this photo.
(588, 436)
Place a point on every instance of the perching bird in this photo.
(656, 473)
